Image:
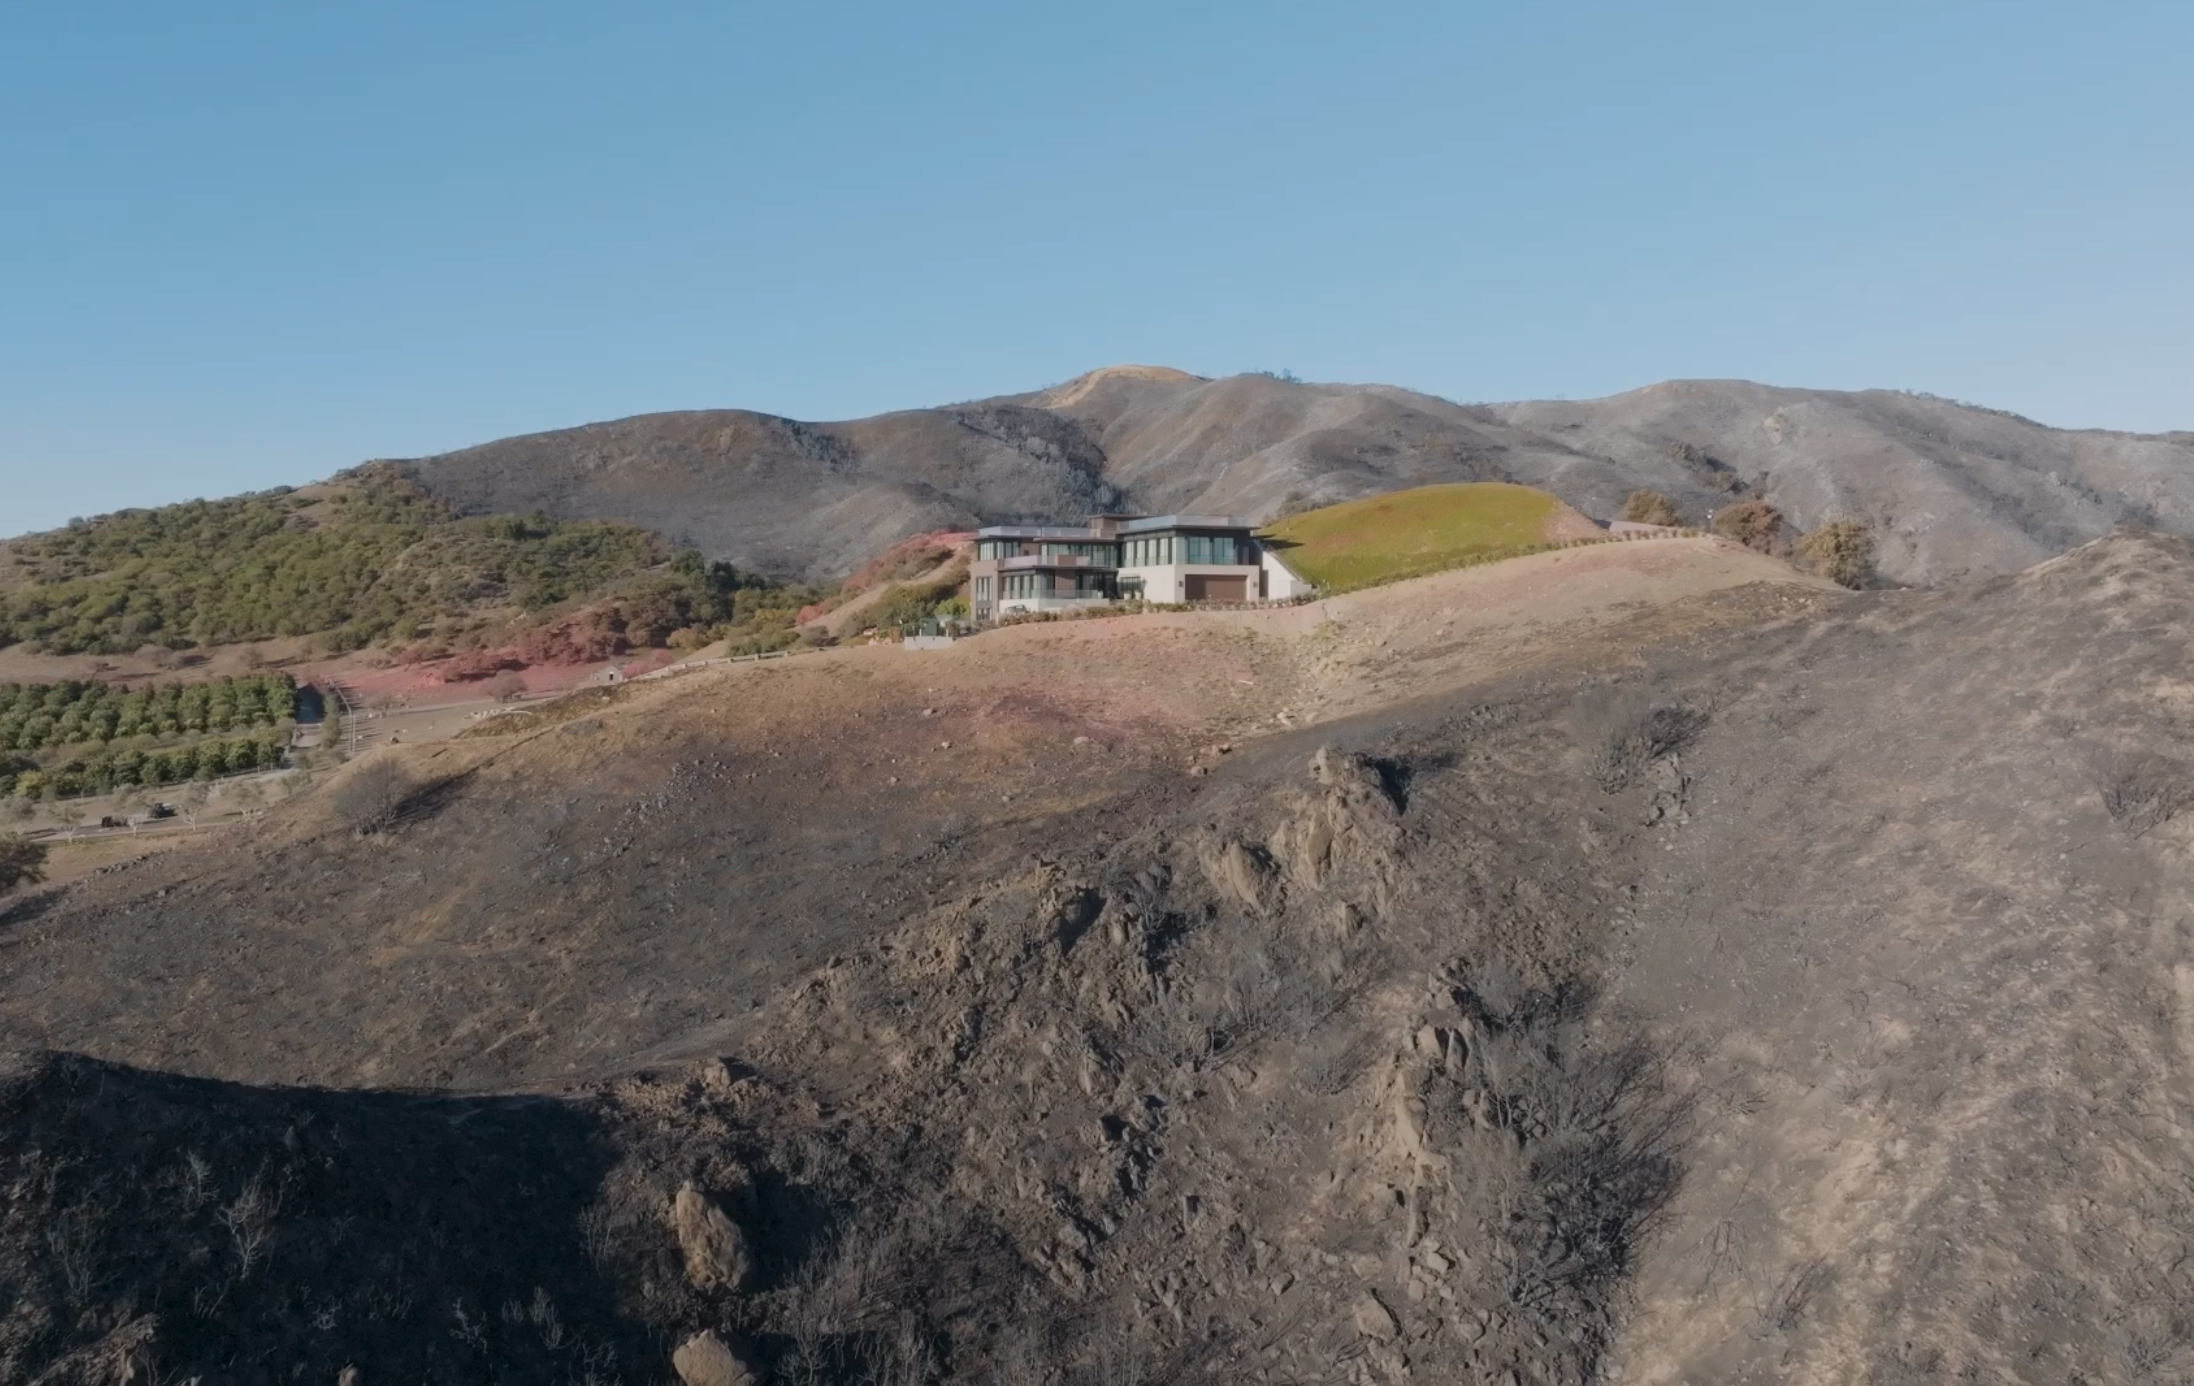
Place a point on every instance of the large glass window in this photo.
(1162, 550)
(1225, 549)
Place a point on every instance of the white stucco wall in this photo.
(1281, 583)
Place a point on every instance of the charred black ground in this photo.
(1799, 997)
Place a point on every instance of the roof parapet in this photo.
(1156, 522)
(1108, 526)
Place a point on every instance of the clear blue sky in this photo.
(252, 243)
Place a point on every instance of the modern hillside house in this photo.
(1114, 558)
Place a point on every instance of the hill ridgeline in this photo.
(1949, 489)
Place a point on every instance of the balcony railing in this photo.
(1054, 560)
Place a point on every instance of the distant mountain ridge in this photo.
(1951, 489)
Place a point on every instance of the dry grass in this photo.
(73, 860)
(369, 799)
(1622, 731)
(2141, 792)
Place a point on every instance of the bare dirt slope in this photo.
(1954, 490)
(1764, 983)
(573, 892)
(1945, 1007)
(1951, 490)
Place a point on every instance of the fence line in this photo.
(152, 790)
(688, 666)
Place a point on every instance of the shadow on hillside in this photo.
(239, 1234)
(26, 906)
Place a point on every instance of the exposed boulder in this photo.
(715, 1248)
(1375, 1320)
(707, 1360)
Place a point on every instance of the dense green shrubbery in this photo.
(750, 612)
(761, 640)
(911, 604)
(35, 716)
(684, 607)
(378, 559)
(110, 767)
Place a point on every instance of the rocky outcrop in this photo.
(1348, 824)
(1241, 874)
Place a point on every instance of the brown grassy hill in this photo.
(812, 500)
(713, 837)
(1632, 962)
(1952, 489)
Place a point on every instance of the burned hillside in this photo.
(1773, 986)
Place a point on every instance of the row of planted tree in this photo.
(41, 716)
(109, 768)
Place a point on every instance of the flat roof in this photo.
(1150, 522)
(1130, 524)
(1036, 532)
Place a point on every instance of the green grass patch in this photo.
(1406, 534)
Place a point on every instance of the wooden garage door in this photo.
(1211, 587)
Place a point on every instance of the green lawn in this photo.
(1410, 533)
